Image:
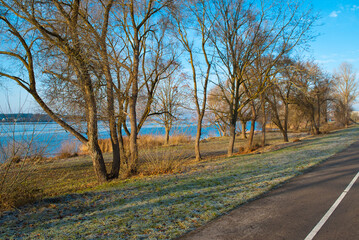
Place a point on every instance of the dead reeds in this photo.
(143, 141)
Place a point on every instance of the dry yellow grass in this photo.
(143, 141)
(168, 160)
(68, 149)
(165, 206)
(56, 177)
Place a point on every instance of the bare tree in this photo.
(258, 79)
(245, 33)
(345, 90)
(135, 19)
(57, 25)
(169, 101)
(312, 87)
(279, 94)
(217, 113)
(189, 15)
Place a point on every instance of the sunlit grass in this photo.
(164, 206)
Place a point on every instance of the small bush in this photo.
(180, 139)
(241, 150)
(329, 127)
(68, 149)
(15, 191)
(14, 196)
(105, 145)
(167, 160)
(247, 150)
(16, 151)
(143, 141)
(255, 147)
(148, 141)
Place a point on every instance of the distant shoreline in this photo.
(24, 117)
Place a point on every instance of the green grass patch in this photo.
(167, 206)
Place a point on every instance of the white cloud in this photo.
(352, 60)
(325, 61)
(354, 8)
(334, 14)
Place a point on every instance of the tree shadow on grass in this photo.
(184, 201)
(162, 207)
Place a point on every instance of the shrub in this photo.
(17, 194)
(241, 150)
(68, 149)
(149, 141)
(143, 141)
(105, 145)
(328, 127)
(180, 139)
(14, 189)
(247, 150)
(166, 160)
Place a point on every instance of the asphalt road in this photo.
(293, 210)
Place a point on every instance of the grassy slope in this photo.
(167, 206)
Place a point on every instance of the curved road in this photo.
(293, 210)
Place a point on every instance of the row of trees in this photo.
(298, 95)
(126, 61)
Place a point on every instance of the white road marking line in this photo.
(331, 210)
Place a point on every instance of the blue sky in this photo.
(338, 41)
(338, 30)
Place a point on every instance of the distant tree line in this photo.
(126, 61)
(299, 95)
(25, 117)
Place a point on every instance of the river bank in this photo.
(160, 206)
(49, 137)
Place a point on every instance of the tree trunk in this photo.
(264, 121)
(244, 129)
(282, 129)
(264, 134)
(116, 157)
(285, 134)
(232, 126)
(285, 125)
(232, 134)
(97, 160)
(132, 108)
(220, 130)
(326, 112)
(251, 134)
(316, 130)
(318, 113)
(116, 161)
(198, 139)
(253, 122)
(120, 124)
(123, 155)
(110, 94)
(132, 165)
(346, 113)
(167, 135)
(232, 139)
(92, 131)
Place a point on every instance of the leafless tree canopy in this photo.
(125, 62)
(345, 91)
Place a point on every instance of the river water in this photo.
(52, 136)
